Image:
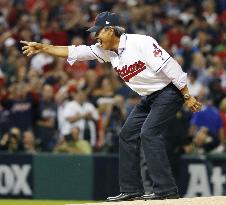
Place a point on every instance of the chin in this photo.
(105, 47)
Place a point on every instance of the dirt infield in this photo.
(217, 200)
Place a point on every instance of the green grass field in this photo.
(40, 202)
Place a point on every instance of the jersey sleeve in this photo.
(175, 73)
(156, 57)
(83, 52)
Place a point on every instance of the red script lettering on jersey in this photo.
(126, 73)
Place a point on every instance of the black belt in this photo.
(170, 85)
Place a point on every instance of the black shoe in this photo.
(161, 196)
(125, 197)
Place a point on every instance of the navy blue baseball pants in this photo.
(146, 124)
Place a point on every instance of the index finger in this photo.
(24, 42)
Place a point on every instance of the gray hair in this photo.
(118, 30)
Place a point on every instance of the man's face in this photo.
(104, 37)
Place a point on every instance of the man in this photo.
(73, 144)
(207, 127)
(83, 114)
(45, 125)
(151, 72)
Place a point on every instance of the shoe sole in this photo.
(131, 199)
(162, 198)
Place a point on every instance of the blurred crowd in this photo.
(46, 105)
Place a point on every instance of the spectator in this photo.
(204, 141)
(55, 34)
(188, 13)
(176, 33)
(207, 127)
(202, 41)
(45, 124)
(29, 145)
(136, 22)
(113, 113)
(61, 99)
(39, 61)
(188, 55)
(195, 87)
(20, 106)
(209, 11)
(104, 89)
(90, 82)
(217, 71)
(216, 91)
(11, 141)
(73, 144)
(79, 112)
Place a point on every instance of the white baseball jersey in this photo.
(140, 62)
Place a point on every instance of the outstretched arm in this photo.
(31, 48)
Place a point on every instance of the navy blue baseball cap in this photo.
(105, 19)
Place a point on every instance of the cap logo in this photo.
(107, 22)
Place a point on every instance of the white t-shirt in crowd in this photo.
(40, 60)
(72, 109)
